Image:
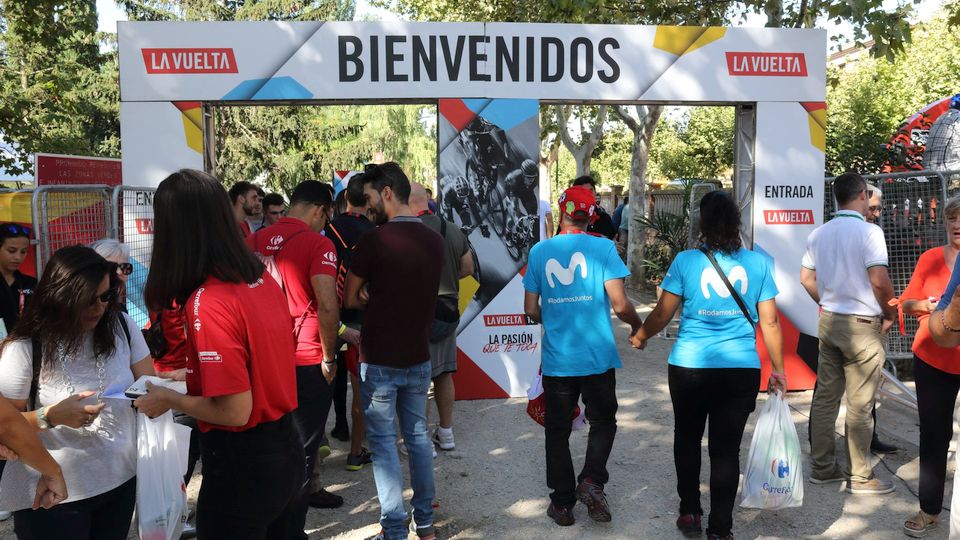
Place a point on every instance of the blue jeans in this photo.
(388, 394)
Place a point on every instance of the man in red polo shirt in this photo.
(306, 264)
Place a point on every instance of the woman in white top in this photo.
(86, 345)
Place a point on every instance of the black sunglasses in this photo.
(16, 229)
(125, 268)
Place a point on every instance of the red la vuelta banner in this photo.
(186, 61)
(763, 64)
(788, 217)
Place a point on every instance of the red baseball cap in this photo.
(578, 202)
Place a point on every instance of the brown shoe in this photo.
(591, 494)
(690, 525)
(561, 516)
(873, 486)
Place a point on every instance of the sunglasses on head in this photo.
(124, 268)
(16, 229)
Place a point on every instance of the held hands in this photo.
(639, 339)
(71, 412)
(156, 401)
(51, 490)
(777, 382)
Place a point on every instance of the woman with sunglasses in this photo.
(15, 287)
(70, 345)
(241, 382)
(117, 253)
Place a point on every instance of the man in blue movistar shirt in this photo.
(572, 281)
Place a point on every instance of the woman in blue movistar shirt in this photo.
(714, 368)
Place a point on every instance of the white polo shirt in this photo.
(840, 251)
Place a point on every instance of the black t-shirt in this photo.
(14, 296)
(604, 224)
(345, 231)
(401, 261)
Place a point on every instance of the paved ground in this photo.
(493, 485)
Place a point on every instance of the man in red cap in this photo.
(579, 276)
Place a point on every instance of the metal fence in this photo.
(133, 220)
(69, 215)
(912, 221)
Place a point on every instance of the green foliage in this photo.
(239, 10)
(669, 238)
(58, 92)
(286, 145)
(697, 145)
(872, 96)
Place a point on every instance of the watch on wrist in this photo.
(43, 422)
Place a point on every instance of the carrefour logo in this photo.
(780, 468)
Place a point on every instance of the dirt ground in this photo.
(493, 484)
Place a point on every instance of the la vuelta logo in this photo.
(762, 64)
(163, 61)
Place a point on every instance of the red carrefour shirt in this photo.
(300, 254)
(930, 278)
(235, 343)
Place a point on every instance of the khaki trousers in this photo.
(851, 357)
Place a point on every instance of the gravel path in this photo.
(493, 485)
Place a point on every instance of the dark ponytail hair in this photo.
(195, 236)
(719, 222)
(53, 316)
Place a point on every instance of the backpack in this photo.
(271, 267)
(344, 262)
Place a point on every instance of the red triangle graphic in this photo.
(472, 382)
(799, 374)
(457, 113)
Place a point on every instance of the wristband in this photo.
(330, 362)
(779, 376)
(943, 321)
(43, 422)
(342, 329)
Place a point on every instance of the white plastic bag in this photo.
(536, 406)
(162, 447)
(773, 477)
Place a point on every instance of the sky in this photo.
(109, 14)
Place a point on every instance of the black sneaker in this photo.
(341, 432)
(325, 499)
(881, 447)
(356, 462)
(561, 516)
(591, 494)
(690, 525)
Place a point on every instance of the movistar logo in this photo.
(566, 274)
(710, 278)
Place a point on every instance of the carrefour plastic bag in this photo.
(773, 477)
(162, 447)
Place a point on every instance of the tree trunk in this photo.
(643, 129)
(583, 152)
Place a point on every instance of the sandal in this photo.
(920, 524)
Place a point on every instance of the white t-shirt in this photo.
(544, 210)
(841, 251)
(92, 464)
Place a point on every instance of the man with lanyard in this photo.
(345, 231)
(457, 264)
(844, 270)
(307, 265)
(580, 277)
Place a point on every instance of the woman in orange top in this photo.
(937, 372)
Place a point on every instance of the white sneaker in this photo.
(5, 515)
(444, 438)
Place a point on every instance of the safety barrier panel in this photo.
(912, 221)
(69, 215)
(133, 222)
